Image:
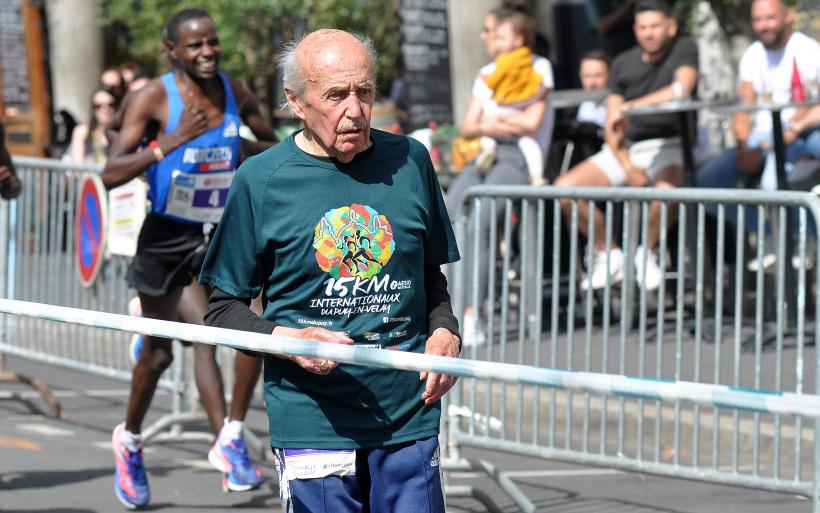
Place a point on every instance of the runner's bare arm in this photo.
(251, 114)
(124, 163)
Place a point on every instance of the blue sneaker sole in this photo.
(228, 486)
(124, 501)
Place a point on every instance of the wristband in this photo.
(154, 145)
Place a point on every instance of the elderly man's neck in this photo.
(312, 145)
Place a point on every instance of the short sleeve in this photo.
(812, 48)
(440, 242)
(232, 263)
(544, 68)
(480, 88)
(615, 84)
(747, 68)
(687, 54)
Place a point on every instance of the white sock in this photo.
(231, 431)
(130, 440)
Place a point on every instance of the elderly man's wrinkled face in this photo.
(338, 98)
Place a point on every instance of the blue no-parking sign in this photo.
(89, 228)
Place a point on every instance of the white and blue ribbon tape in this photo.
(704, 394)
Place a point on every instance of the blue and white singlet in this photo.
(191, 183)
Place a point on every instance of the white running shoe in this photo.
(769, 260)
(598, 274)
(651, 276)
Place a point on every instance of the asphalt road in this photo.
(66, 465)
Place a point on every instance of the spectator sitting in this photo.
(89, 142)
(577, 137)
(594, 74)
(766, 73)
(512, 29)
(646, 150)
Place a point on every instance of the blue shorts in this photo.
(402, 478)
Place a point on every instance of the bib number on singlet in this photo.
(198, 197)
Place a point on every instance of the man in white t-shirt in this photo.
(484, 118)
(766, 70)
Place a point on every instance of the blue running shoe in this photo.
(130, 481)
(239, 472)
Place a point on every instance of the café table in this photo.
(572, 98)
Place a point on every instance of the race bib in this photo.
(198, 197)
(317, 463)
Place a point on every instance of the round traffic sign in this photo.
(89, 228)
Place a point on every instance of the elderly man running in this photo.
(357, 438)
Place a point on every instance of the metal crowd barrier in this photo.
(716, 318)
(708, 395)
(37, 248)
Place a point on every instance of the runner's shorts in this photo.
(169, 254)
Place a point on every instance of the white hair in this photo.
(293, 76)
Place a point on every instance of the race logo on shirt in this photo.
(353, 241)
(353, 245)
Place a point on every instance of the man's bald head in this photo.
(771, 22)
(302, 58)
(330, 84)
(774, 4)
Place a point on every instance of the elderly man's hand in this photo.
(441, 343)
(314, 365)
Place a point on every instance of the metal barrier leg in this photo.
(502, 480)
(475, 493)
(36, 384)
(174, 421)
(815, 499)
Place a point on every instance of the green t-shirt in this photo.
(342, 247)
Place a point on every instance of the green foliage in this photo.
(378, 19)
(251, 32)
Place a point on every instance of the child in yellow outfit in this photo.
(515, 84)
